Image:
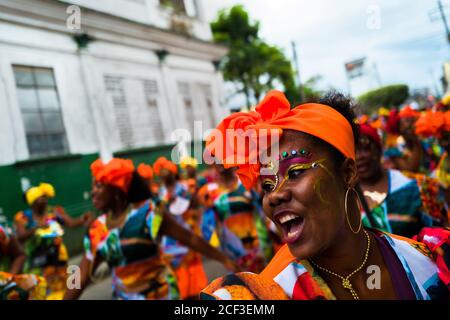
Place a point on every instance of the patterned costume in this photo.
(46, 253)
(419, 275)
(187, 263)
(410, 205)
(233, 220)
(17, 287)
(133, 254)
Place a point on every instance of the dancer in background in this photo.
(181, 203)
(410, 153)
(398, 204)
(129, 239)
(41, 228)
(233, 218)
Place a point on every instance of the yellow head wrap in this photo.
(188, 161)
(44, 189)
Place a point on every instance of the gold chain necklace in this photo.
(346, 280)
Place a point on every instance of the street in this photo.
(101, 290)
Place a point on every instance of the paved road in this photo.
(101, 290)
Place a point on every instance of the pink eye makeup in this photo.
(290, 166)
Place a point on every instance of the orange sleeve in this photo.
(280, 261)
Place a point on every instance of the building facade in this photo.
(82, 78)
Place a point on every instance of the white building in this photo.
(83, 77)
(140, 70)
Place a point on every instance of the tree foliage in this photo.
(388, 96)
(251, 63)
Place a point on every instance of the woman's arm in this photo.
(172, 228)
(17, 255)
(85, 271)
(84, 220)
(22, 233)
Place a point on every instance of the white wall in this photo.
(25, 46)
(86, 106)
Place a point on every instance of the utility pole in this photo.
(444, 20)
(439, 13)
(294, 53)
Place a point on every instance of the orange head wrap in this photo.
(429, 123)
(145, 171)
(274, 112)
(408, 112)
(117, 172)
(163, 163)
(446, 121)
(433, 123)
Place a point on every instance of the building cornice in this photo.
(51, 15)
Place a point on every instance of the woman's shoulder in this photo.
(98, 225)
(425, 259)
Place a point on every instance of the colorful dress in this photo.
(46, 253)
(431, 153)
(5, 235)
(133, 253)
(188, 265)
(241, 230)
(410, 205)
(442, 172)
(22, 287)
(414, 272)
(13, 286)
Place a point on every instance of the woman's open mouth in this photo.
(290, 224)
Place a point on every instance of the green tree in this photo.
(254, 65)
(388, 96)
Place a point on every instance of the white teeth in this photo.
(287, 218)
(292, 234)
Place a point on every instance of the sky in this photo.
(398, 38)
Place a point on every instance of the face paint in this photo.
(317, 188)
(288, 167)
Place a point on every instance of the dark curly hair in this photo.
(345, 105)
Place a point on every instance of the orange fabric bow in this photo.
(446, 121)
(275, 113)
(163, 163)
(408, 112)
(117, 172)
(429, 123)
(145, 171)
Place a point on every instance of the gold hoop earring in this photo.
(346, 211)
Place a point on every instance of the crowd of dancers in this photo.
(156, 222)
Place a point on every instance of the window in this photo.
(154, 121)
(185, 93)
(115, 88)
(177, 5)
(41, 112)
(209, 114)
